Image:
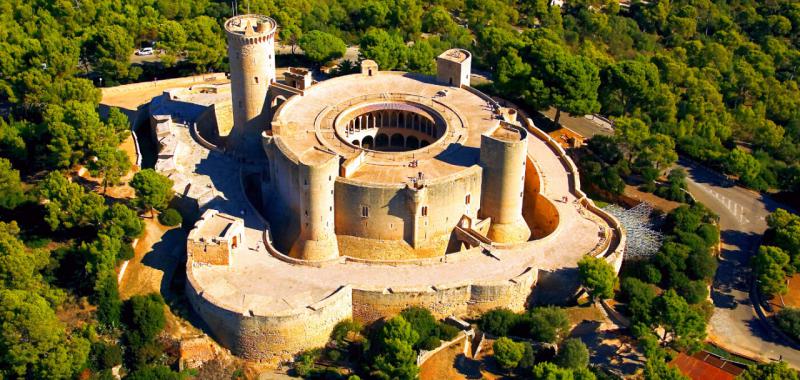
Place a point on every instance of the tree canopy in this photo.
(597, 276)
(33, 342)
(321, 47)
(153, 190)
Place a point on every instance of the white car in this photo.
(145, 51)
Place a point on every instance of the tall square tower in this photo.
(453, 67)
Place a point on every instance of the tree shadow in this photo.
(624, 358)
(759, 328)
(733, 272)
(555, 287)
(470, 368)
(166, 256)
(704, 175)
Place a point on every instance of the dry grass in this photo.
(791, 298)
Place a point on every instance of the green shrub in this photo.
(528, 357)
(305, 362)
(549, 324)
(155, 372)
(498, 321)
(573, 354)
(106, 355)
(507, 352)
(447, 332)
(788, 320)
(125, 252)
(639, 296)
(597, 276)
(694, 291)
(422, 321)
(343, 329)
(170, 217)
(651, 274)
(144, 318)
(430, 343)
(333, 355)
(106, 296)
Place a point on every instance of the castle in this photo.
(381, 190)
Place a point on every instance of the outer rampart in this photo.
(463, 300)
(278, 336)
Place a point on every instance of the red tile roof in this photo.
(706, 366)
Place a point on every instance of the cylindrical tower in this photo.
(251, 53)
(503, 154)
(317, 173)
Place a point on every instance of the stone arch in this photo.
(381, 139)
(277, 101)
(398, 140)
(368, 142)
(412, 142)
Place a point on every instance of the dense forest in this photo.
(713, 80)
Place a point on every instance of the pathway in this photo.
(735, 325)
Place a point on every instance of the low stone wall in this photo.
(539, 212)
(614, 253)
(177, 82)
(425, 355)
(463, 300)
(251, 334)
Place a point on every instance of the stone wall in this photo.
(539, 212)
(206, 252)
(615, 251)
(277, 336)
(164, 83)
(216, 122)
(462, 300)
(423, 218)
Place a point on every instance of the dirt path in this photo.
(450, 363)
(156, 256)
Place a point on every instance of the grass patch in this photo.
(726, 355)
(599, 203)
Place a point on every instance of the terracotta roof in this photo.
(706, 366)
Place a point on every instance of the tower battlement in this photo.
(251, 28)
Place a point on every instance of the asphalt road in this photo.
(735, 325)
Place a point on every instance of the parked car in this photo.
(145, 51)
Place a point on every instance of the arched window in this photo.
(412, 142)
(368, 142)
(398, 140)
